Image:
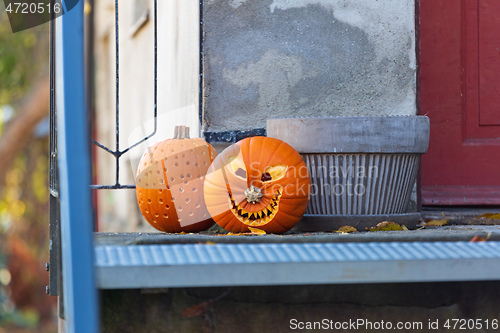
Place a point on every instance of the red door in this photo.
(460, 92)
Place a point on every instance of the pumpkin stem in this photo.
(181, 132)
(253, 194)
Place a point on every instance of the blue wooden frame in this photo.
(80, 293)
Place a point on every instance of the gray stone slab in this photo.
(336, 135)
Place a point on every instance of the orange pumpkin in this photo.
(169, 183)
(260, 183)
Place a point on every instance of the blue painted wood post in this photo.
(80, 294)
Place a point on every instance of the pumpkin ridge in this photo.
(284, 213)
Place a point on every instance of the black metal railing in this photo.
(54, 266)
(117, 153)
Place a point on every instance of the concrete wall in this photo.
(178, 92)
(296, 58)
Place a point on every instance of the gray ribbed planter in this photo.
(362, 169)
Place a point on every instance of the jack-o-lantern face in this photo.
(260, 183)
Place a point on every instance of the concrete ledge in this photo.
(441, 234)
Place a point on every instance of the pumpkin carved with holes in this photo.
(260, 183)
(169, 183)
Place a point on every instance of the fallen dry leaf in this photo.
(490, 216)
(478, 239)
(346, 229)
(256, 231)
(481, 239)
(435, 222)
(386, 226)
(195, 310)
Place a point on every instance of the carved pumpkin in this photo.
(169, 183)
(258, 182)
